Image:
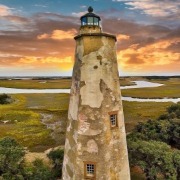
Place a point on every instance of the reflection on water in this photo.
(139, 84)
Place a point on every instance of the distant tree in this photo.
(57, 158)
(11, 158)
(154, 158)
(37, 171)
(5, 99)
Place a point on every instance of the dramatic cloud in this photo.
(155, 54)
(59, 35)
(154, 7)
(44, 42)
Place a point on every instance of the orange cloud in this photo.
(58, 35)
(28, 60)
(65, 63)
(122, 37)
(156, 54)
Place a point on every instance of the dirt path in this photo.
(32, 156)
(55, 124)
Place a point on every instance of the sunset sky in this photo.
(36, 36)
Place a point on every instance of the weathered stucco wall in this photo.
(95, 92)
(89, 29)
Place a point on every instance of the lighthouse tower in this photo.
(95, 146)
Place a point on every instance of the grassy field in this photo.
(37, 84)
(47, 84)
(135, 112)
(171, 89)
(23, 119)
(126, 82)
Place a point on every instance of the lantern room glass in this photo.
(96, 21)
(90, 21)
(84, 21)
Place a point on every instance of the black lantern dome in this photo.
(90, 18)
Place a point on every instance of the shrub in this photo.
(5, 99)
(57, 158)
(37, 171)
(11, 158)
(154, 158)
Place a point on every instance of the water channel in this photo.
(138, 84)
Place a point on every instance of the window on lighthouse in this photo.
(113, 119)
(90, 170)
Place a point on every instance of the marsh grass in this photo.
(22, 119)
(135, 112)
(48, 84)
(37, 84)
(126, 82)
(170, 89)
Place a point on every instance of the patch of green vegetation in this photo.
(126, 82)
(13, 165)
(135, 112)
(26, 127)
(57, 157)
(170, 89)
(47, 101)
(37, 84)
(5, 99)
(47, 83)
(11, 158)
(157, 159)
(22, 120)
(37, 170)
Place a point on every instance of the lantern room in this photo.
(90, 18)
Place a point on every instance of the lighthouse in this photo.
(95, 144)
